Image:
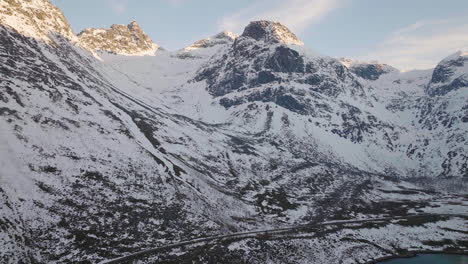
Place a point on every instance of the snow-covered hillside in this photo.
(104, 157)
(367, 115)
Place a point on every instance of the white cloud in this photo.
(423, 44)
(295, 14)
(119, 7)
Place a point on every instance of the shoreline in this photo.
(414, 253)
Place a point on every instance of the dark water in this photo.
(430, 259)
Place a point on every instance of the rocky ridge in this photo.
(35, 18)
(271, 32)
(119, 39)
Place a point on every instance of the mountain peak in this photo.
(271, 32)
(38, 19)
(226, 35)
(221, 38)
(134, 24)
(119, 39)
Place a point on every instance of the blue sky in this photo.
(405, 33)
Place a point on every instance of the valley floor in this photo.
(342, 241)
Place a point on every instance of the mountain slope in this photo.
(77, 165)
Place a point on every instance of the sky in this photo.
(408, 34)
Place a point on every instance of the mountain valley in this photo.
(111, 145)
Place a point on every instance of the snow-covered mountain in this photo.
(102, 158)
(119, 39)
(451, 74)
(35, 18)
(224, 37)
(271, 32)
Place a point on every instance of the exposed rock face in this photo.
(367, 70)
(119, 39)
(371, 71)
(35, 18)
(261, 63)
(449, 75)
(443, 112)
(271, 32)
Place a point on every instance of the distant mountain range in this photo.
(111, 145)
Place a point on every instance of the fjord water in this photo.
(431, 259)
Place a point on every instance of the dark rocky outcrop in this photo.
(448, 77)
(371, 71)
(260, 58)
(285, 59)
(270, 32)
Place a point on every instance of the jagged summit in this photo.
(261, 61)
(224, 37)
(134, 26)
(38, 19)
(119, 39)
(271, 32)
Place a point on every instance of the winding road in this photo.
(269, 232)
